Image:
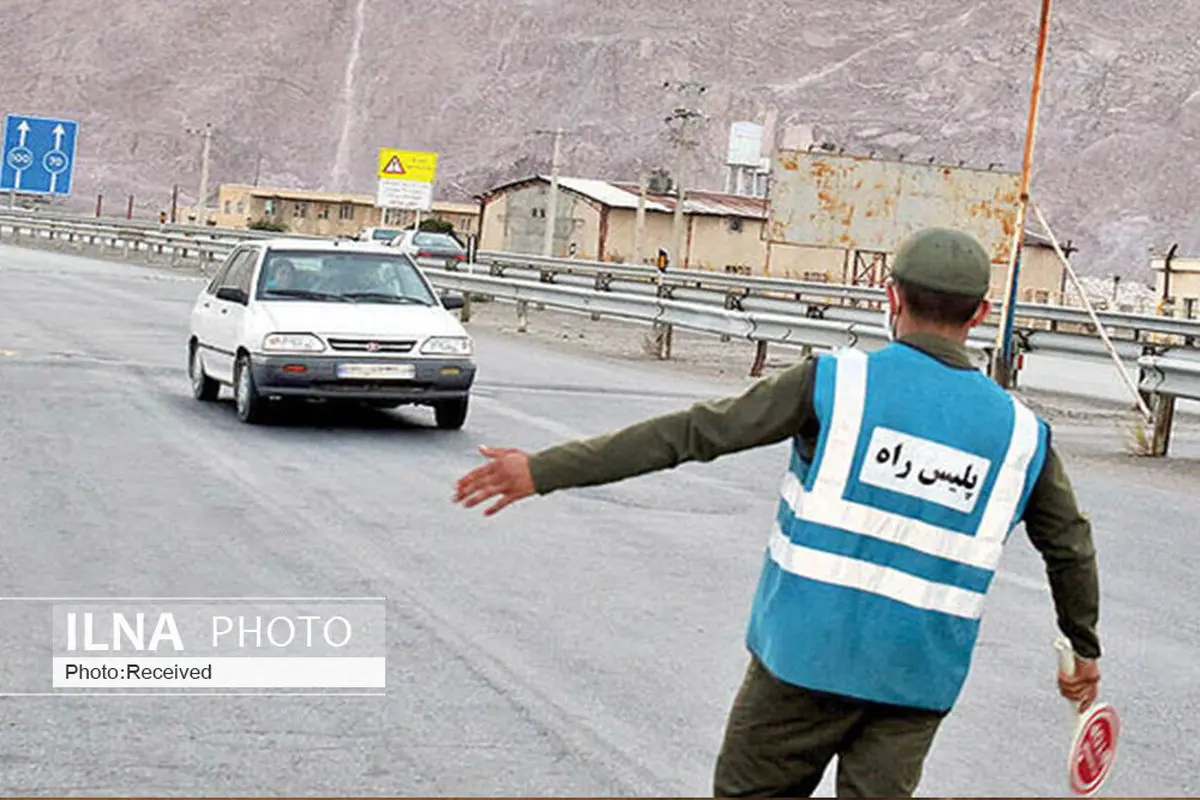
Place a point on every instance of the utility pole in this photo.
(639, 229)
(552, 201)
(683, 122)
(202, 197)
(1003, 359)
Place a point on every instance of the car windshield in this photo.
(437, 241)
(384, 234)
(342, 277)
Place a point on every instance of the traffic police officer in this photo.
(909, 469)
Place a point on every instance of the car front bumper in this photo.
(308, 376)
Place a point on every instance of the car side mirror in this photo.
(452, 302)
(231, 294)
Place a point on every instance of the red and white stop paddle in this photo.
(1094, 747)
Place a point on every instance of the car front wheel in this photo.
(251, 406)
(203, 387)
(450, 414)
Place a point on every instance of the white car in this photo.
(430, 247)
(335, 320)
(380, 235)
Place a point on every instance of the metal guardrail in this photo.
(752, 293)
(1029, 340)
(756, 327)
(747, 286)
(1179, 377)
(678, 300)
(1162, 381)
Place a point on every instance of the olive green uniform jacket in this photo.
(777, 408)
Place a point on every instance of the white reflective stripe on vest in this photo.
(833, 568)
(1010, 483)
(824, 504)
(889, 527)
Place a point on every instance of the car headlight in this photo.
(292, 343)
(447, 346)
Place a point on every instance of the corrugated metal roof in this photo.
(603, 192)
(620, 194)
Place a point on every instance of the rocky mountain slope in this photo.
(305, 91)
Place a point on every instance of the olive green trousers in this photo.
(780, 739)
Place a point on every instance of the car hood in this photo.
(359, 319)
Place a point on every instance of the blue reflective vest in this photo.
(885, 544)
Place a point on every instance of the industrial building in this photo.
(1177, 282)
(599, 220)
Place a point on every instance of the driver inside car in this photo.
(282, 276)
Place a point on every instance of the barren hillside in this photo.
(318, 85)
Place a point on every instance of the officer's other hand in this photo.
(506, 475)
(1082, 687)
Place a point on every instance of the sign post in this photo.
(406, 179)
(39, 155)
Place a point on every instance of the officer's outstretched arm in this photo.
(769, 411)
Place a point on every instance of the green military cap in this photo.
(944, 260)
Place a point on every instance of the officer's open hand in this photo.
(506, 475)
(1081, 688)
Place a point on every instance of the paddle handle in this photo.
(1066, 665)
(1066, 656)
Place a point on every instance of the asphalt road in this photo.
(583, 644)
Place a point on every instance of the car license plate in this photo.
(386, 372)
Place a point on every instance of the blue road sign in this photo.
(39, 155)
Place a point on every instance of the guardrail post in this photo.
(522, 316)
(1163, 408)
(760, 359)
(464, 313)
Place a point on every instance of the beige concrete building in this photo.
(326, 213)
(598, 220)
(1181, 282)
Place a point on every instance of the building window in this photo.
(322, 211)
(269, 207)
(228, 206)
(735, 224)
(346, 211)
(300, 210)
(539, 213)
(396, 216)
(241, 207)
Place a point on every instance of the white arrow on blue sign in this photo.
(39, 155)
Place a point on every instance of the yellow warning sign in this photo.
(407, 165)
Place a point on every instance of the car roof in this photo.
(325, 245)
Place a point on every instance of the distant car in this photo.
(427, 246)
(338, 321)
(381, 235)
